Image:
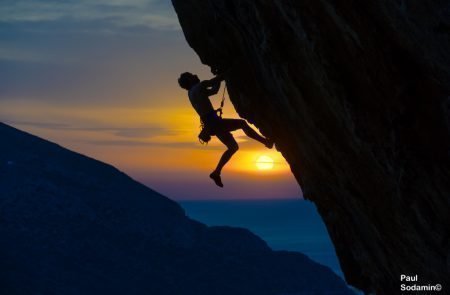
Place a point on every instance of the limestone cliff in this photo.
(356, 95)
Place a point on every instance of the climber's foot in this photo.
(216, 177)
(269, 143)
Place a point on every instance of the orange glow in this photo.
(156, 145)
(174, 144)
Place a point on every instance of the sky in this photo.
(99, 77)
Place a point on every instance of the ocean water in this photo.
(292, 224)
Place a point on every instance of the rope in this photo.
(222, 102)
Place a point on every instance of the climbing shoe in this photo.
(216, 178)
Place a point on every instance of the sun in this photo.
(264, 163)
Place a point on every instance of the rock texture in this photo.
(356, 95)
(72, 225)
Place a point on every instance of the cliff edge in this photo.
(356, 96)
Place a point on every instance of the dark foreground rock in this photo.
(356, 95)
(73, 225)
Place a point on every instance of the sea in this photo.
(290, 224)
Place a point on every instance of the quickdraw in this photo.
(222, 102)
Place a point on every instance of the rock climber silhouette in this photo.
(212, 123)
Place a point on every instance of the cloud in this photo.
(183, 145)
(113, 53)
(152, 136)
(125, 132)
(142, 132)
(133, 143)
(118, 13)
(44, 125)
(23, 55)
(116, 142)
(117, 136)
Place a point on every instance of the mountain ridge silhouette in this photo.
(74, 225)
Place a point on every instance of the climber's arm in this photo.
(212, 86)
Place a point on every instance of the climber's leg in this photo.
(235, 124)
(232, 147)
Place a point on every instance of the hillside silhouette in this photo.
(73, 225)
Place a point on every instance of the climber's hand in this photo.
(215, 71)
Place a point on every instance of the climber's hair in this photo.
(185, 80)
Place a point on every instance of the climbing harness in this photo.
(204, 136)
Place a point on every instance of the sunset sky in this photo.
(99, 77)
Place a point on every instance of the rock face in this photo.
(72, 225)
(356, 95)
